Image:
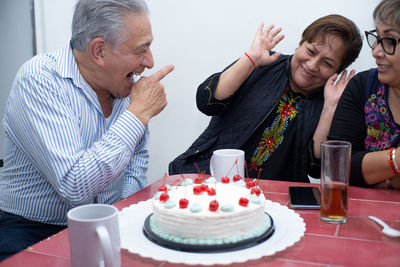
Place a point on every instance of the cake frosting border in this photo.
(257, 236)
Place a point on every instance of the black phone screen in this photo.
(307, 197)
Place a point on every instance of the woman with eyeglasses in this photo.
(368, 113)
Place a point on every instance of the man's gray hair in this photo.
(102, 18)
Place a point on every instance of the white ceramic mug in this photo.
(227, 163)
(94, 236)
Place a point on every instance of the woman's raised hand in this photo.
(264, 41)
(258, 55)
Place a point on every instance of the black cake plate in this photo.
(250, 242)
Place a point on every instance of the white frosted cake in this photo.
(209, 212)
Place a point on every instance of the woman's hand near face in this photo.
(264, 41)
(332, 91)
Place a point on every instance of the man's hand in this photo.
(148, 98)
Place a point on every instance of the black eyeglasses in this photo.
(388, 43)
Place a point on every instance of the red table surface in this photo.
(358, 242)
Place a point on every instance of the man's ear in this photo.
(96, 49)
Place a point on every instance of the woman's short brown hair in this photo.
(340, 26)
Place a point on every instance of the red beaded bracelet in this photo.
(390, 161)
(252, 61)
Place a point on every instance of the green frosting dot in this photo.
(227, 208)
(240, 183)
(211, 180)
(169, 204)
(158, 194)
(195, 207)
(187, 182)
(254, 199)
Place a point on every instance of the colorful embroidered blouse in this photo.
(266, 148)
(382, 130)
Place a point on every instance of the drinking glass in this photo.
(335, 172)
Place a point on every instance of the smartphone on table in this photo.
(304, 197)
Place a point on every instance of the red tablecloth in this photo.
(359, 242)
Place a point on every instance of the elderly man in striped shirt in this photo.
(76, 122)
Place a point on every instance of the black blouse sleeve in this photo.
(349, 124)
(205, 100)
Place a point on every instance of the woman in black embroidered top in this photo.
(368, 114)
(272, 105)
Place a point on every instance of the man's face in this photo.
(131, 55)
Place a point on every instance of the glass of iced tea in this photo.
(335, 172)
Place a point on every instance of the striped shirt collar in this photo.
(71, 71)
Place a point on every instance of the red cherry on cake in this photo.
(197, 190)
(250, 184)
(183, 203)
(163, 188)
(237, 177)
(256, 190)
(211, 191)
(164, 197)
(243, 201)
(204, 187)
(198, 180)
(225, 180)
(213, 205)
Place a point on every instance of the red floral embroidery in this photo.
(273, 135)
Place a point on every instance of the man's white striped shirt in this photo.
(59, 149)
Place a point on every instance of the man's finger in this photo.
(159, 75)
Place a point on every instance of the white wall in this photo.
(16, 46)
(53, 20)
(200, 38)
